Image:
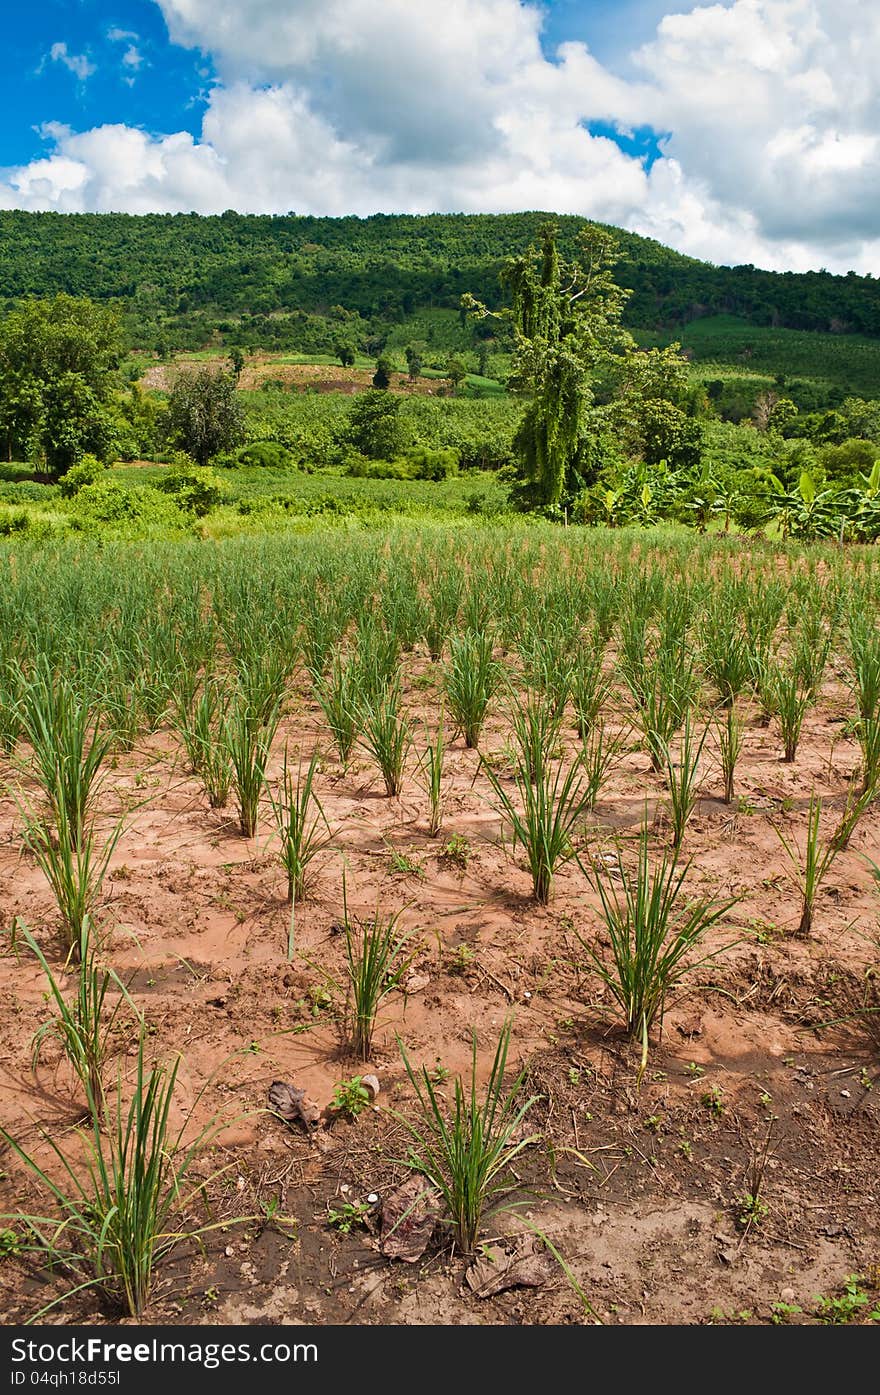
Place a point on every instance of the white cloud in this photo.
(132, 57)
(121, 36)
(772, 109)
(76, 63)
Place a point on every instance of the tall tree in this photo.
(58, 361)
(204, 414)
(566, 322)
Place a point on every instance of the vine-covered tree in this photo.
(566, 319)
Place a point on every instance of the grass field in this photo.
(605, 798)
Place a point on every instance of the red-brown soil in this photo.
(638, 1185)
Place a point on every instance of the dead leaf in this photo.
(525, 1264)
(409, 1216)
(293, 1105)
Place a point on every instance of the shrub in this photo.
(196, 488)
(266, 455)
(88, 471)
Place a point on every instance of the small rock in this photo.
(416, 982)
(845, 1094)
(788, 1295)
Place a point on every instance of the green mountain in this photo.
(302, 283)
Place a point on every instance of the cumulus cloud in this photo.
(769, 112)
(76, 63)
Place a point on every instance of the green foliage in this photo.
(652, 929)
(89, 470)
(374, 427)
(195, 488)
(467, 1153)
(205, 415)
(265, 455)
(57, 372)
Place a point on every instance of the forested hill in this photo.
(187, 273)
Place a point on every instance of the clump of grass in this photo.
(682, 779)
(387, 735)
(471, 681)
(202, 725)
(340, 695)
(122, 1209)
(75, 865)
(69, 749)
(589, 687)
(553, 801)
(376, 963)
(598, 756)
(730, 740)
(430, 771)
(785, 695)
(249, 732)
(652, 928)
(302, 824)
(467, 1153)
(84, 1023)
(810, 868)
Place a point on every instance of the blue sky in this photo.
(140, 78)
(736, 131)
(162, 92)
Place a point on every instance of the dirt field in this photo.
(639, 1186)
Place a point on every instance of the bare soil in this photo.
(638, 1184)
(303, 377)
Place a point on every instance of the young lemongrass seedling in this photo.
(811, 652)
(84, 1024)
(472, 678)
(790, 700)
(810, 868)
(467, 1152)
(730, 740)
(589, 687)
(726, 654)
(387, 735)
(376, 963)
(661, 711)
(69, 749)
(249, 740)
(652, 929)
(864, 648)
(536, 728)
(682, 778)
(548, 662)
(430, 773)
(554, 801)
(377, 658)
(74, 866)
(302, 823)
(124, 1203)
(600, 753)
(340, 695)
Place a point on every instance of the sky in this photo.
(740, 131)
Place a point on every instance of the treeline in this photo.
(298, 282)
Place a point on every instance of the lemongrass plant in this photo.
(124, 1203)
(467, 1152)
(83, 1023)
(652, 926)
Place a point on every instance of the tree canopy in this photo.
(57, 376)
